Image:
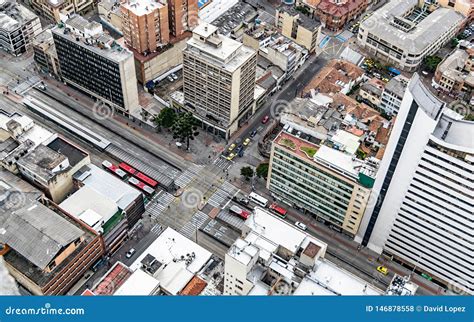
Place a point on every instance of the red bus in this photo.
(278, 210)
(239, 212)
(113, 169)
(125, 167)
(140, 185)
(152, 183)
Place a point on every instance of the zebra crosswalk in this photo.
(198, 219)
(159, 204)
(187, 176)
(156, 230)
(223, 194)
(222, 163)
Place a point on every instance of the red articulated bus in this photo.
(152, 183)
(140, 185)
(278, 210)
(239, 212)
(125, 167)
(113, 169)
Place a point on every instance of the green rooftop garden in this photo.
(287, 143)
(309, 151)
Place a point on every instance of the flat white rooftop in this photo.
(138, 284)
(276, 232)
(142, 7)
(170, 249)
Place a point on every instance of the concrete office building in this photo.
(93, 62)
(219, 80)
(52, 9)
(145, 25)
(425, 211)
(18, 27)
(465, 7)
(304, 30)
(405, 32)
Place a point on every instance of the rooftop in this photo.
(107, 185)
(87, 200)
(112, 280)
(143, 7)
(397, 86)
(180, 260)
(234, 18)
(306, 22)
(90, 35)
(14, 15)
(139, 283)
(45, 162)
(405, 25)
(454, 66)
(334, 77)
(226, 52)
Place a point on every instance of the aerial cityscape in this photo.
(237, 147)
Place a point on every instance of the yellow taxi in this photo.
(232, 147)
(383, 270)
(246, 142)
(231, 156)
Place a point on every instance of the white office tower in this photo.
(424, 214)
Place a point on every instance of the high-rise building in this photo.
(219, 80)
(95, 63)
(145, 25)
(392, 94)
(183, 16)
(424, 215)
(18, 27)
(45, 53)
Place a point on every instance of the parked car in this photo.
(171, 79)
(130, 253)
(174, 76)
(254, 132)
(231, 157)
(231, 147)
(265, 119)
(300, 225)
(246, 142)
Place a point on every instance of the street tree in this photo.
(166, 118)
(247, 173)
(185, 128)
(262, 170)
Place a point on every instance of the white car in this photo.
(300, 225)
(130, 253)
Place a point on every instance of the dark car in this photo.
(254, 132)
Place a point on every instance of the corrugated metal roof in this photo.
(37, 233)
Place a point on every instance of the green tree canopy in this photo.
(166, 118)
(431, 63)
(247, 173)
(185, 128)
(262, 170)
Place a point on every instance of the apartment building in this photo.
(52, 9)
(45, 250)
(371, 91)
(277, 49)
(18, 27)
(335, 14)
(219, 80)
(425, 212)
(455, 74)
(273, 257)
(45, 54)
(183, 16)
(393, 93)
(304, 30)
(145, 25)
(95, 63)
(403, 33)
